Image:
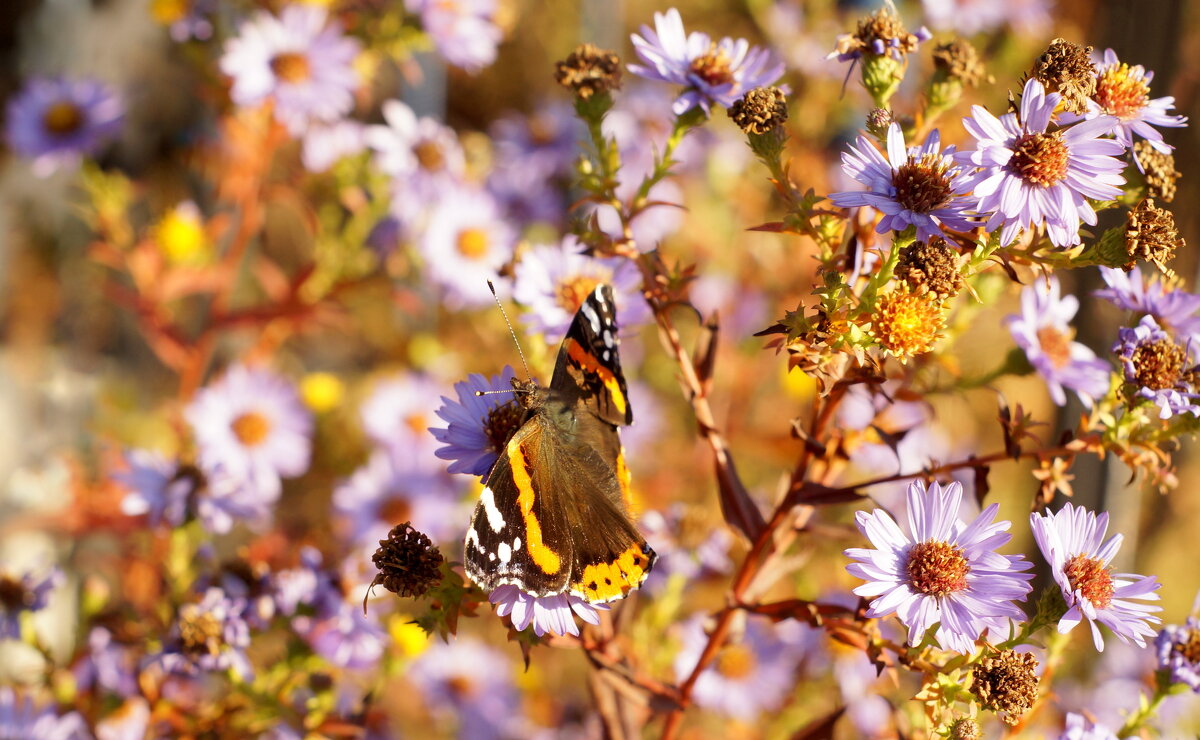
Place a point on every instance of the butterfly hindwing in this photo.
(588, 369)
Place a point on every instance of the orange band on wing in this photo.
(542, 556)
(625, 479)
(590, 364)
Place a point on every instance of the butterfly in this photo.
(554, 517)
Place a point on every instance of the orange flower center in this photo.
(736, 662)
(573, 291)
(430, 156)
(251, 428)
(395, 510)
(937, 568)
(1158, 365)
(713, 66)
(200, 632)
(291, 66)
(1121, 94)
(1040, 159)
(62, 118)
(1089, 577)
(1189, 647)
(1055, 344)
(473, 243)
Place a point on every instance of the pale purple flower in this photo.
(20, 718)
(711, 72)
(678, 559)
(551, 282)
(471, 682)
(465, 242)
(421, 155)
(347, 639)
(751, 674)
(1029, 175)
(156, 488)
(919, 186)
(308, 587)
(24, 593)
(741, 307)
(191, 19)
(209, 635)
(944, 572)
(231, 498)
(651, 225)
(474, 423)
(969, 17)
(386, 236)
(106, 664)
(252, 425)
(299, 60)
(554, 614)
(397, 414)
(56, 122)
(1167, 386)
(1175, 309)
(1043, 331)
(534, 162)
(1123, 94)
(1079, 727)
(388, 490)
(1176, 651)
(463, 31)
(1072, 541)
(326, 144)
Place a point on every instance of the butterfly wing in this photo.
(588, 370)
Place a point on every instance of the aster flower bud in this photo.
(408, 562)
(879, 120)
(1067, 69)
(1005, 683)
(1158, 170)
(589, 71)
(930, 267)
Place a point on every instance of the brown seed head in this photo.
(761, 111)
(408, 562)
(965, 728)
(1040, 159)
(1150, 235)
(1006, 683)
(930, 267)
(1067, 69)
(588, 71)
(1187, 645)
(884, 25)
(922, 184)
(1158, 170)
(958, 60)
(1158, 365)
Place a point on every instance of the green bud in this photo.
(881, 75)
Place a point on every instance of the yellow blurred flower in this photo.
(408, 637)
(167, 12)
(180, 235)
(322, 391)
(798, 384)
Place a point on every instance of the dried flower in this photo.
(907, 324)
(408, 562)
(1067, 69)
(930, 267)
(881, 33)
(958, 60)
(1157, 368)
(1150, 235)
(760, 111)
(1005, 683)
(589, 71)
(1158, 169)
(965, 728)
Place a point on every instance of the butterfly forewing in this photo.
(588, 369)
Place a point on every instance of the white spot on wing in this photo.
(473, 539)
(608, 338)
(592, 317)
(494, 517)
(517, 543)
(505, 552)
(599, 293)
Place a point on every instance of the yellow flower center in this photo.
(921, 184)
(1040, 159)
(62, 118)
(251, 428)
(180, 235)
(907, 324)
(291, 66)
(322, 391)
(200, 632)
(937, 568)
(713, 66)
(1091, 579)
(1121, 94)
(736, 662)
(167, 12)
(573, 291)
(473, 243)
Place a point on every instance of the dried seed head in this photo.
(958, 60)
(1067, 69)
(1150, 235)
(1158, 169)
(930, 267)
(965, 728)
(1159, 366)
(1040, 159)
(1005, 683)
(589, 71)
(761, 111)
(884, 30)
(408, 562)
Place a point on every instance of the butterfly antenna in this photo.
(511, 333)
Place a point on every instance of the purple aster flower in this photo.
(21, 718)
(554, 614)
(471, 682)
(347, 639)
(298, 60)
(386, 491)
(1071, 542)
(478, 426)
(1079, 727)
(1029, 174)
(651, 225)
(156, 486)
(422, 156)
(1043, 331)
(969, 17)
(55, 122)
(1175, 309)
(946, 573)
(464, 31)
(308, 586)
(750, 675)
(465, 242)
(685, 548)
(227, 499)
(534, 162)
(1161, 370)
(252, 425)
(711, 72)
(107, 664)
(326, 144)
(189, 19)
(919, 186)
(1178, 650)
(552, 281)
(385, 237)
(24, 593)
(1123, 95)
(209, 635)
(397, 414)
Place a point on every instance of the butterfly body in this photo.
(554, 517)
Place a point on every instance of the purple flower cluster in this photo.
(463, 31)
(1175, 309)
(210, 635)
(1178, 651)
(56, 122)
(20, 717)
